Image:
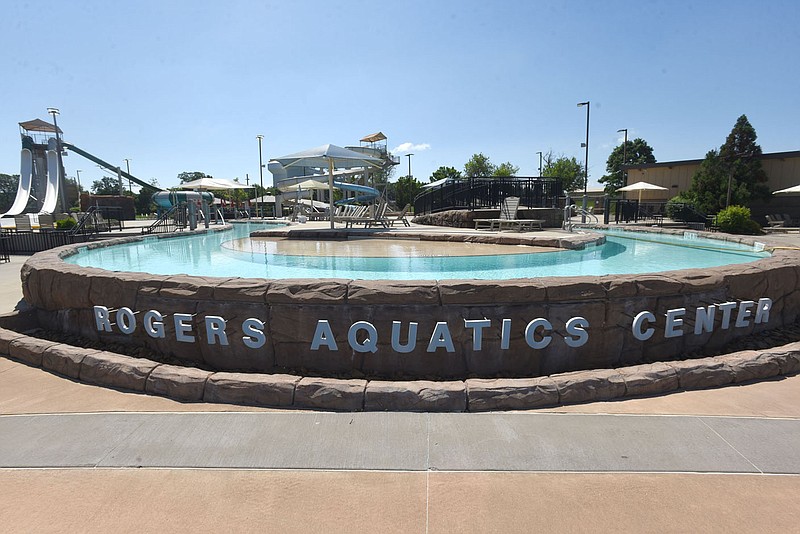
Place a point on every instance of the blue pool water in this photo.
(623, 253)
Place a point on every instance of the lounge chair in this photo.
(400, 217)
(508, 217)
(23, 223)
(377, 217)
(774, 221)
(46, 221)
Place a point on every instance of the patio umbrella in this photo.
(305, 185)
(332, 157)
(789, 190)
(642, 186)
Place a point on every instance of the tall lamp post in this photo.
(624, 158)
(409, 164)
(586, 163)
(61, 195)
(540, 164)
(260, 173)
(128, 166)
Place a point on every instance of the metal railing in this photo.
(489, 192)
(174, 219)
(30, 242)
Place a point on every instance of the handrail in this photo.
(170, 221)
(90, 215)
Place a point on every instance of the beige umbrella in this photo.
(642, 186)
(789, 190)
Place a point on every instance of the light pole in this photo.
(409, 164)
(540, 164)
(260, 172)
(54, 112)
(128, 166)
(586, 163)
(624, 158)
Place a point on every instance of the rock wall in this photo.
(360, 317)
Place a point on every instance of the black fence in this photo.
(28, 242)
(477, 193)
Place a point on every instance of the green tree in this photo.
(736, 166)
(8, 190)
(636, 152)
(568, 170)
(405, 190)
(478, 166)
(443, 173)
(144, 199)
(189, 176)
(506, 169)
(106, 186)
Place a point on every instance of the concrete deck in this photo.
(75, 457)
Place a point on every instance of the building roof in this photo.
(38, 125)
(771, 155)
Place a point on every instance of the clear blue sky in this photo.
(187, 85)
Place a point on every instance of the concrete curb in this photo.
(475, 395)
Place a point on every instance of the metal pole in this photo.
(586, 164)
(409, 164)
(540, 164)
(128, 166)
(247, 181)
(260, 171)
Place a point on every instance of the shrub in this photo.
(65, 224)
(736, 220)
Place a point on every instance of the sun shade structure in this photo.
(332, 157)
(642, 186)
(213, 184)
(373, 138)
(38, 125)
(795, 189)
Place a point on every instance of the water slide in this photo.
(25, 182)
(364, 193)
(51, 187)
(110, 167)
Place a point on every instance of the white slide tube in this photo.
(24, 187)
(51, 193)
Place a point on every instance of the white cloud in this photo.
(410, 147)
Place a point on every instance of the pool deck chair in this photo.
(508, 218)
(378, 217)
(400, 216)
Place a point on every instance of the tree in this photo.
(506, 169)
(445, 173)
(106, 186)
(736, 167)
(190, 176)
(406, 189)
(636, 152)
(8, 190)
(478, 166)
(568, 170)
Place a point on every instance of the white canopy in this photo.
(788, 190)
(213, 184)
(642, 186)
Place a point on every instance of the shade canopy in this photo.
(789, 190)
(332, 157)
(38, 125)
(213, 184)
(643, 186)
(306, 185)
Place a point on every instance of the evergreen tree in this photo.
(636, 152)
(736, 167)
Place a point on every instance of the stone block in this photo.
(585, 386)
(330, 394)
(114, 370)
(751, 365)
(189, 287)
(574, 288)
(477, 292)
(510, 393)
(29, 349)
(179, 383)
(6, 337)
(65, 359)
(393, 292)
(251, 389)
(307, 291)
(649, 379)
(702, 373)
(242, 290)
(415, 396)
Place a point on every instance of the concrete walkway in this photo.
(78, 458)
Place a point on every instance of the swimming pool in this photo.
(211, 255)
